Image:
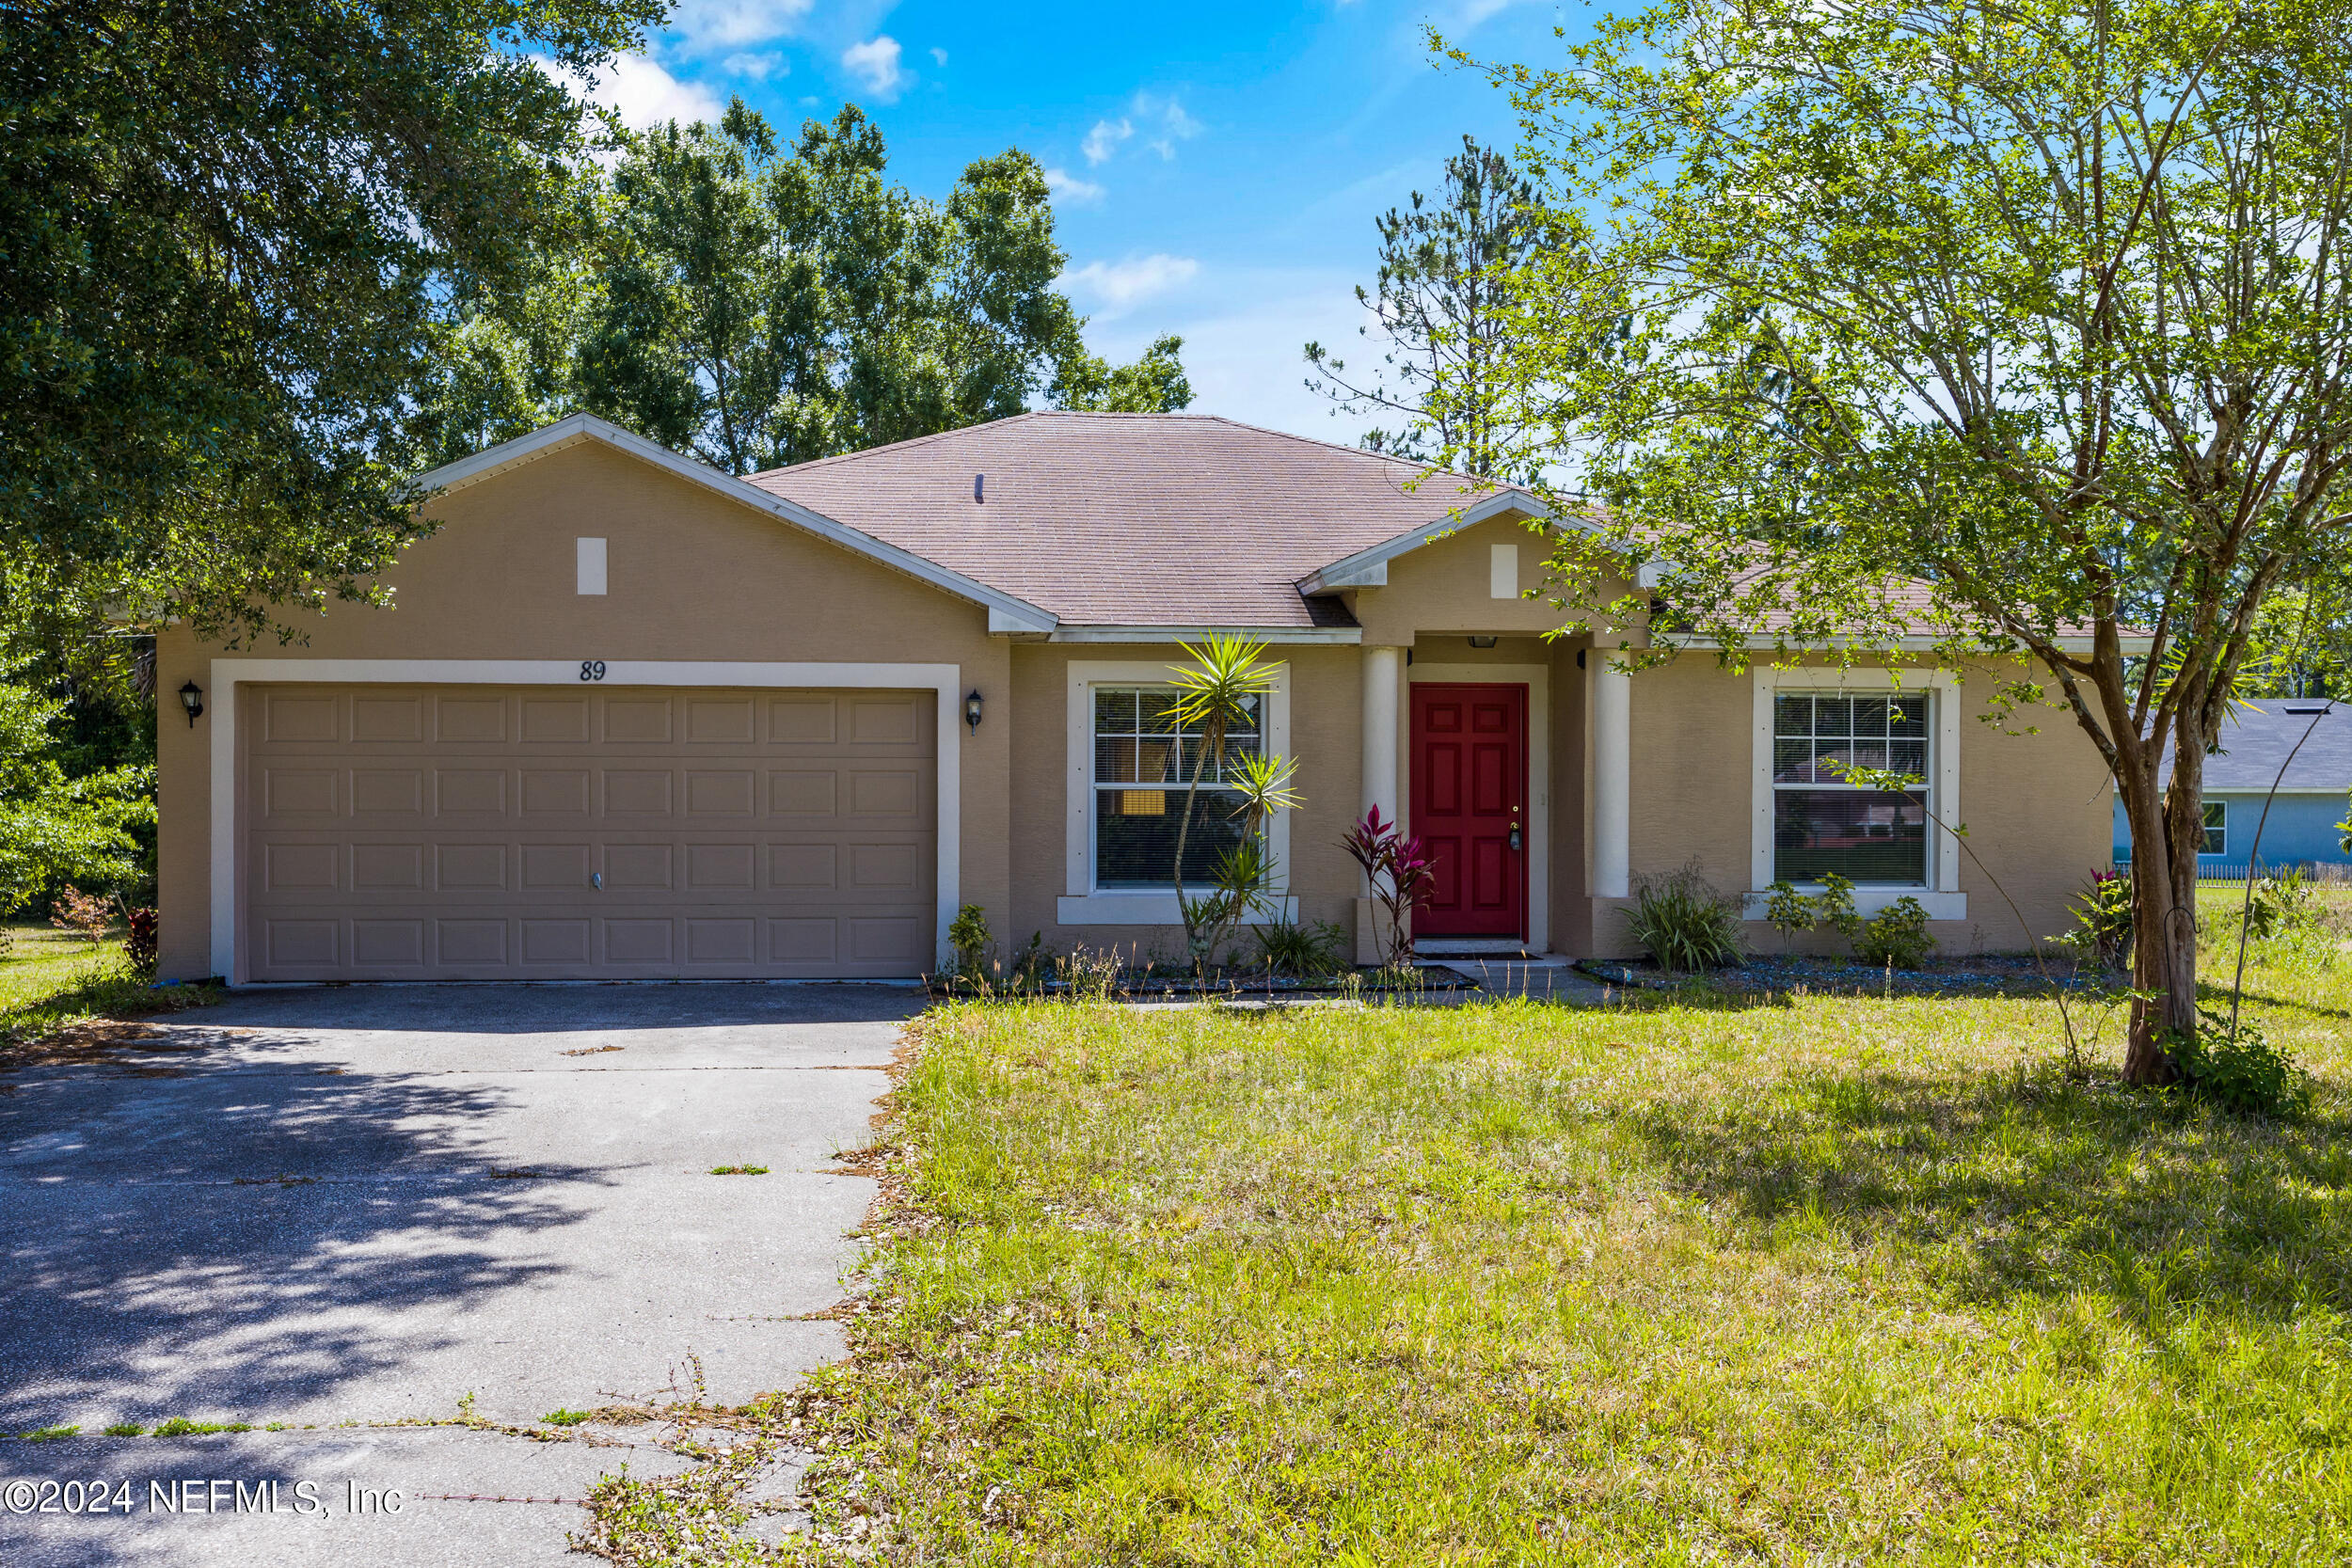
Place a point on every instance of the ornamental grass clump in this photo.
(1683, 921)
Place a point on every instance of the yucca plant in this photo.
(1214, 694)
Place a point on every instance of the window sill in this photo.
(1140, 908)
(1870, 901)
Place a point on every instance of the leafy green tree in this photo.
(2043, 302)
(222, 224)
(1442, 306)
(1155, 384)
(55, 829)
(2301, 641)
(758, 305)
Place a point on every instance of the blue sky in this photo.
(1218, 166)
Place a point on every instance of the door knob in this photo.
(1515, 838)
(597, 879)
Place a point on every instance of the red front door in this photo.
(1469, 799)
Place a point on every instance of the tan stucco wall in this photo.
(1446, 587)
(691, 575)
(2036, 805)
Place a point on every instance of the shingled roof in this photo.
(2257, 736)
(1133, 519)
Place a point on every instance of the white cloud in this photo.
(939, 56)
(1119, 286)
(1163, 122)
(642, 92)
(1174, 124)
(1070, 190)
(759, 66)
(1104, 138)
(715, 24)
(876, 64)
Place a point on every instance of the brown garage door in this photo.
(538, 832)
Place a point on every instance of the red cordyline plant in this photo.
(1401, 874)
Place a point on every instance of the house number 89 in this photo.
(591, 669)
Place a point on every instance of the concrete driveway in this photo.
(338, 1209)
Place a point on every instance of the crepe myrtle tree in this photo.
(2042, 303)
(1227, 678)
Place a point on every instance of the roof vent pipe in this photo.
(980, 489)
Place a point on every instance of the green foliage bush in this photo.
(1315, 947)
(2242, 1072)
(1790, 912)
(1897, 935)
(1683, 921)
(2282, 906)
(2102, 933)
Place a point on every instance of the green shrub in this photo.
(1897, 935)
(2283, 905)
(1790, 912)
(2243, 1073)
(1683, 921)
(1836, 904)
(968, 935)
(1314, 949)
(2102, 934)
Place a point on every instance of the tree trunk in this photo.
(2167, 828)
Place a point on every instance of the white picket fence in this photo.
(2326, 873)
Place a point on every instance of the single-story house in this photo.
(632, 717)
(2255, 742)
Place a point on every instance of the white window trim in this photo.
(2221, 853)
(1083, 904)
(229, 673)
(1943, 899)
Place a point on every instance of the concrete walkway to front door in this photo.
(335, 1210)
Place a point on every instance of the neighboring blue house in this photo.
(2301, 828)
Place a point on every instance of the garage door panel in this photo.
(397, 943)
(719, 868)
(470, 719)
(295, 943)
(637, 720)
(802, 939)
(554, 792)
(290, 717)
(478, 945)
(803, 721)
(555, 720)
(288, 793)
(388, 868)
(637, 792)
(637, 867)
(393, 720)
(385, 792)
(712, 793)
(633, 942)
(897, 793)
(424, 833)
(300, 867)
(469, 792)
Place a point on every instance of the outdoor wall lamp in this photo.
(192, 698)
(1482, 642)
(972, 711)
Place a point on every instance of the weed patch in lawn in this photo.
(738, 1170)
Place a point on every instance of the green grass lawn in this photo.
(49, 980)
(1847, 1281)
